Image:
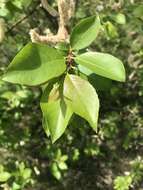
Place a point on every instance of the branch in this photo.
(48, 8)
(22, 19)
(66, 10)
(2, 29)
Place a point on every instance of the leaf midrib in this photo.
(90, 63)
(80, 41)
(78, 95)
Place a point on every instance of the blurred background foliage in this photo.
(81, 159)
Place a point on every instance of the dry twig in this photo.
(66, 11)
(2, 29)
(48, 8)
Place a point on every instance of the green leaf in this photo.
(16, 186)
(64, 158)
(4, 12)
(85, 33)
(62, 166)
(55, 171)
(1, 168)
(55, 111)
(103, 64)
(45, 126)
(4, 176)
(122, 182)
(111, 30)
(98, 82)
(120, 18)
(21, 167)
(62, 46)
(8, 95)
(82, 98)
(138, 11)
(35, 64)
(84, 70)
(26, 173)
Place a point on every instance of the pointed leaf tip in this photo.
(56, 113)
(103, 64)
(35, 64)
(82, 98)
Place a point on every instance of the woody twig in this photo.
(66, 11)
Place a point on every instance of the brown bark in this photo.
(66, 10)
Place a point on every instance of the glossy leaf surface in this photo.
(103, 64)
(85, 33)
(35, 64)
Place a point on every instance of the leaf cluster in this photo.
(60, 71)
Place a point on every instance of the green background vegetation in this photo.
(80, 159)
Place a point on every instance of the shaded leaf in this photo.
(138, 11)
(98, 82)
(111, 30)
(55, 111)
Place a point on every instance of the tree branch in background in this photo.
(2, 29)
(66, 10)
(22, 19)
(49, 8)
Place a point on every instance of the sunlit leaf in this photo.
(4, 176)
(120, 18)
(103, 64)
(45, 126)
(55, 171)
(34, 65)
(82, 98)
(26, 173)
(63, 166)
(85, 33)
